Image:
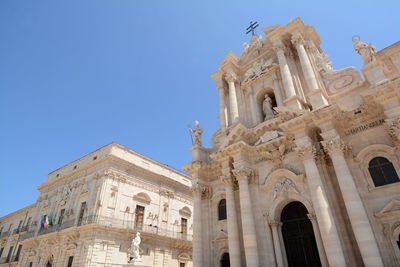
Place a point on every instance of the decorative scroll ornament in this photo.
(258, 69)
(284, 186)
(394, 130)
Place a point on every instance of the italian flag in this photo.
(46, 222)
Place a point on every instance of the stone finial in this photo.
(230, 76)
(366, 51)
(246, 47)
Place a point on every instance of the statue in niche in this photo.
(197, 133)
(133, 251)
(366, 51)
(269, 113)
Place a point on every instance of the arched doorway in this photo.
(298, 236)
(225, 260)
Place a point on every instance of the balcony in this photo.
(3, 234)
(110, 222)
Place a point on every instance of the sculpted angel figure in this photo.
(366, 51)
(197, 133)
(269, 113)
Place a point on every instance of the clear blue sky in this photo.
(77, 75)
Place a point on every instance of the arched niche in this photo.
(260, 100)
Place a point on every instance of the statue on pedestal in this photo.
(133, 251)
(269, 113)
(197, 133)
(366, 51)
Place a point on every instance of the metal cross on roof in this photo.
(252, 27)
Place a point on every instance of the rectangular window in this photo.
(61, 216)
(1, 251)
(18, 252)
(183, 226)
(81, 213)
(139, 216)
(70, 260)
(9, 254)
(30, 264)
(19, 226)
(182, 264)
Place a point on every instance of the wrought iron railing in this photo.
(113, 223)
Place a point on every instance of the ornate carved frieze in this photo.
(284, 186)
(258, 70)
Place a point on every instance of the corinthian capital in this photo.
(199, 189)
(335, 147)
(230, 76)
(297, 39)
(243, 173)
(307, 152)
(279, 46)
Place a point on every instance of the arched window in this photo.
(382, 171)
(222, 210)
(224, 262)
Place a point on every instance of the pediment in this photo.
(222, 236)
(391, 209)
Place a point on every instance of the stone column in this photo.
(249, 230)
(277, 245)
(318, 239)
(253, 107)
(323, 211)
(231, 77)
(355, 209)
(197, 190)
(315, 93)
(233, 229)
(222, 107)
(277, 91)
(286, 75)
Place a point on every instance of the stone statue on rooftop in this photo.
(197, 133)
(366, 51)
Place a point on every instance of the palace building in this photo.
(304, 170)
(89, 211)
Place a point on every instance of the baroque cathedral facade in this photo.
(304, 170)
